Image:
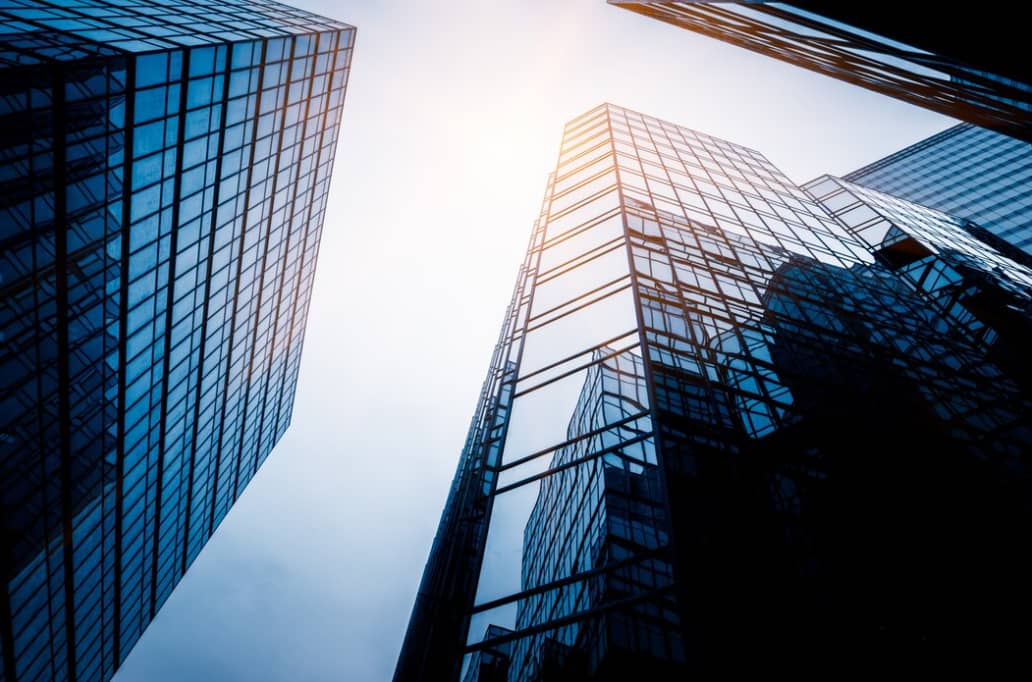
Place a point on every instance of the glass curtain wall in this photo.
(707, 423)
(166, 170)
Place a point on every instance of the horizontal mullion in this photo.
(577, 355)
(586, 201)
(577, 577)
(580, 259)
(576, 369)
(574, 462)
(580, 307)
(567, 620)
(580, 229)
(570, 441)
(578, 297)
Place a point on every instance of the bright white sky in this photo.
(451, 124)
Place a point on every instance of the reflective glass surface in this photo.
(965, 171)
(967, 65)
(160, 220)
(729, 418)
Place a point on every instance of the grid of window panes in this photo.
(698, 359)
(936, 70)
(767, 321)
(871, 215)
(586, 517)
(155, 341)
(980, 290)
(966, 171)
(60, 216)
(150, 25)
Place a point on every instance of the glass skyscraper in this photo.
(165, 172)
(966, 171)
(971, 65)
(733, 424)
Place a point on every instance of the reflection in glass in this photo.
(156, 260)
(743, 421)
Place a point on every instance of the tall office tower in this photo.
(971, 65)
(965, 171)
(732, 423)
(165, 173)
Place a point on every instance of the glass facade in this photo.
(965, 171)
(165, 168)
(731, 421)
(970, 65)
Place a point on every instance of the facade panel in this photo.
(165, 172)
(967, 172)
(731, 421)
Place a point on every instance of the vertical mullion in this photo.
(261, 271)
(169, 301)
(123, 337)
(64, 397)
(236, 287)
(281, 289)
(207, 296)
(304, 246)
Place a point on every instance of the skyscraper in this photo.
(966, 171)
(165, 167)
(731, 424)
(970, 65)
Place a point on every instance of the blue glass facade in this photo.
(965, 171)
(165, 169)
(732, 423)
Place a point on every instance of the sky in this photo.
(451, 124)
